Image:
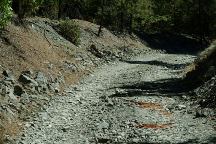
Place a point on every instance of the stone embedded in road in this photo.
(27, 80)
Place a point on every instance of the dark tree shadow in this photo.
(173, 44)
(210, 140)
(164, 87)
(159, 63)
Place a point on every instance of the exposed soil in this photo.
(92, 111)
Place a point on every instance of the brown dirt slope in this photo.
(22, 49)
(39, 47)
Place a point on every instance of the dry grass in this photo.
(9, 128)
(199, 70)
(23, 49)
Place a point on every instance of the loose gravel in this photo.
(87, 113)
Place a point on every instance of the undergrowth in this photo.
(70, 30)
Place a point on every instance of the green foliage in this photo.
(70, 30)
(27, 7)
(5, 12)
(193, 17)
(50, 9)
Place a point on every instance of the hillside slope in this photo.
(37, 63)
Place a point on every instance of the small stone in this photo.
(44, 115)
(40, 78)
(184, 97)
(55, 87)
(7, 73)
(135, 140)
(181, 107)
(64, 129)
(26, 80)
(104, 125)
(11, 95)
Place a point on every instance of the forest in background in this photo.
(196, 18)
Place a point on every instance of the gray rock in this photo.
(181, 107)
(103, 125)
(54, 87)
(27, 80)
(28, 73)
(40, 78)
(4, 90)
(204, 112)
(24, 98)
(71, 66)
(11, 95)
(8, 75)
(42, 82)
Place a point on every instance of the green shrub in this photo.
(5, 12)
(70, 30)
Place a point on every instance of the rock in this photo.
(24, 98)
(44, 115)
(93, 49)
(18, 90)
(181, 107)
(103, 125)
(28, 73)
(40, 78)
(55, 87)
(60, 79)
(103, 140)
(27, 80)
(50, 66)
(65, 129)
(8, 75)
(4, 90)
(11, 95)
(42, 82)
(135, 140)
(71, 66)
(204, 113)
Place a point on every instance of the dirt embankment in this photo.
(201, 73)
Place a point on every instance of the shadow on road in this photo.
(159, 63)
(173, 44)
(164, 87)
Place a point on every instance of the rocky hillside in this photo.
(37, 63)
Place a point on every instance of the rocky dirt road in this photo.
(98, 111)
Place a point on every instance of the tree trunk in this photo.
(101, 18)
(20, 10)
(131, 24)
(59, 8)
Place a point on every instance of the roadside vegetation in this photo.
(70, 30)
(196, 18)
